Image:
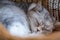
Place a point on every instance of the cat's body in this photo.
(14, 19)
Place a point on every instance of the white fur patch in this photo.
(18, 29)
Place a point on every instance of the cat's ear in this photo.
(33, 5)
(39, 3)
(39, 6)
